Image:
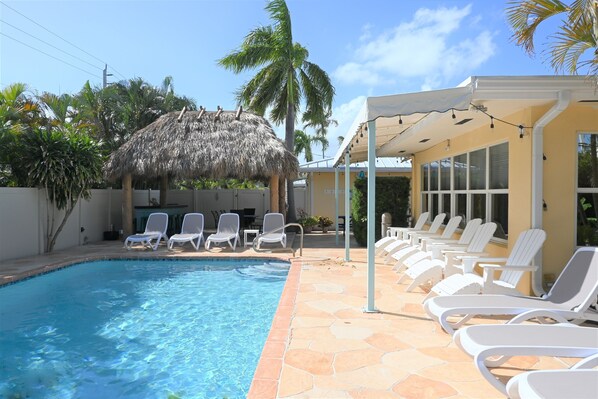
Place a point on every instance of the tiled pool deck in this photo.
(321, 344)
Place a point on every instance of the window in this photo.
(472, 185)
(587, 189)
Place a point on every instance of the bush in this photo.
(309, 221)
(325, 221)
(392, 196)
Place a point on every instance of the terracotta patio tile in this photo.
(460, 372)
(262, 389)
(316, 363)
(352, 360)
(377, 377)
(334, 345)
(311, 333)
(304, 309)
(306, 321)
(417, 387)
(273, 349)
(447, 354)
(278, 334)
(410, 360)
(386, 342)
(293, 382)
(268, 369)
(350, 332)
(372, 394)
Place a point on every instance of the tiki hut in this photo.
(221, 144)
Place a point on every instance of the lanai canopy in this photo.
(221, 144)
(404, 124)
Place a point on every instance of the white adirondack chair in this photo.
(430, 271)
(393, 233)
(407, 240)
(527, 246)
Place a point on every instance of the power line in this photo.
(49, 44)
(49, 31)
(49, 55)
(61, 38)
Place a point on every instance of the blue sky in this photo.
(373, 47)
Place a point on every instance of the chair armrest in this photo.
(526, 268)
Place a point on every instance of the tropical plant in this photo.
(325, 221)
(575, 45)
(320, 123)
(303, 145)
(64, 161)
(285, 79)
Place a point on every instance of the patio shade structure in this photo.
(195, 144)
(404, 124)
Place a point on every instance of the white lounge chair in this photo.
(579, 382)
(519, 261)
(431, 271)
(409, 240)
(493, 345)
(228, 231)
(273, 230)
(407, 257)
(191, 231)
(395, 233)
(570, 297)
(155, 229)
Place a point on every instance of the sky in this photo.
(369, 48)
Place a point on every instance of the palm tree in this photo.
(320, 123)
(285, 79)
(303, 145)
(577, 37)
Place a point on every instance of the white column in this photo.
(336, 202)
(371, 215)
(347, 206)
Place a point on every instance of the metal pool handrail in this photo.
(254, 245)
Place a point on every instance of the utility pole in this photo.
(105, 75)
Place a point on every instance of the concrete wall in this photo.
(24, 214)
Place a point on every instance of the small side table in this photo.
(246, 243)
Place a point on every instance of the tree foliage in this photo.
(574, 48)
(285, 78)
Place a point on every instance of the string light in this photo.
(493, 118)
(453, 111)
(400, 120)
(361, 134)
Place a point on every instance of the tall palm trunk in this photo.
(290, 144)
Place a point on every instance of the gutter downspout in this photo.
(564, 98)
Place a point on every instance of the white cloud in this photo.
(344, 114)
(420, 48)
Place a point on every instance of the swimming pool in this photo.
(138, 329)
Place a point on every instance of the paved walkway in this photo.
(321, 344)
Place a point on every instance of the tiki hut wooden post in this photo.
(127, 205)
(196, 144)
(274, 194)
(282, 196)
(163, 190)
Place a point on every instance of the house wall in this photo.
(560, 148)
(321, 191)
(560, 173)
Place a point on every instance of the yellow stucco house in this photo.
(319, 177)
(519, 151)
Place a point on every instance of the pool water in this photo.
(138, 329)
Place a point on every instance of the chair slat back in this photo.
(482, 237)
(228, 223)
(527, 246)
(436, 223)
(193, 223)
(577, 286)
(273, 221)
(157, 221)
(451, 227)
(421, 221)
(470, 230)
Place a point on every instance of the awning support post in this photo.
(371, 223)
(347, 206)
(336, 203)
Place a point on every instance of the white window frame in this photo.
(580, 190)
(469, 192)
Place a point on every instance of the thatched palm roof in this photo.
(222, 147)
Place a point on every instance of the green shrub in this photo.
(392, 196)
(325, 221)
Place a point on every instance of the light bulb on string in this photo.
(400, 120)
(453, 112)
(491, 122)
(520, 131)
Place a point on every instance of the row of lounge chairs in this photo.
(570, 301)
(192, 231)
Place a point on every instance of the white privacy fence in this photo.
(23, 214)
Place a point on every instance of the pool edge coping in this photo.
(266, 378)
